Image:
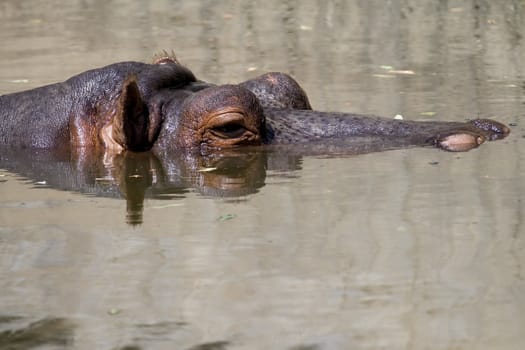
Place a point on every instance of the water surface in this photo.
(404, 249)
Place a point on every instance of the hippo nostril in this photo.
(494, 130)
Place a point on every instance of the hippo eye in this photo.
(230, 130)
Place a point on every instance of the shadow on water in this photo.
(220, 345)
(17, 333)
(55, 332)
(135, 177)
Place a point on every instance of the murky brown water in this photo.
(408, 249)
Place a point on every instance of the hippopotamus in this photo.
(134, 106)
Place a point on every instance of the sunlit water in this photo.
(404, 249)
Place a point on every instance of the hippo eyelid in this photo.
(225, 117)
(230, 130)
(227, 125)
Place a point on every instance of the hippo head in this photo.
(136, 106)
(183, 113)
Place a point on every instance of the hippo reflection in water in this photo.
(162, 106)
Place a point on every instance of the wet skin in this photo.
(163, 107)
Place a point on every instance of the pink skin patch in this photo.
(461, 142)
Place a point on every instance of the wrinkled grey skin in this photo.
(43, 117)
(136, 106)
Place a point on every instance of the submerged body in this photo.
(162, 106)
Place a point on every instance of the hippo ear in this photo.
(130, 123)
